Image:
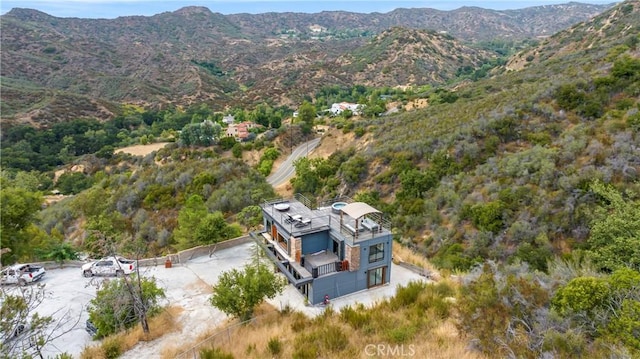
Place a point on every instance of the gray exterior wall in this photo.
(365, 249)
(346, 282)
(335, 285)
(315, 242)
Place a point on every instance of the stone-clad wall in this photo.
(296, 249)
(352, 254)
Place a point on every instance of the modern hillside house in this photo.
(332, 250)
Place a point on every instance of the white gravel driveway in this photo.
(67, 295)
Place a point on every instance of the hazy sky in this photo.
(110, 9)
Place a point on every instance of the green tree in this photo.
(105, 152)
(119, 304)
(306, 179)
(214, 229)
(18, 208)
(603, 307)
(569, 97)
(204, 133)
(625, 326)
(415, 183)
(62, 251)
(189, 219)
(236, 150)
(307, 115)
(623, 308)
(31, 181)
(227, 142)
(239, 292)
(614, 241)
(105, 231)
(250, 216)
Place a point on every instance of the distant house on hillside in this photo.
(317, 28)
(228, 119)
(241, 130)
(338, 108)
(328, 251)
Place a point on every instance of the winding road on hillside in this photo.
(286, 169)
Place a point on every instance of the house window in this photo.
(376, 253)
(376, 277)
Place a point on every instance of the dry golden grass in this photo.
(141, 150)
(251, 341)
(404, 254)
(159, 325)
(221, 332)
(436, 338)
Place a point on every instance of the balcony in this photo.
(295, 273)
(323, 263)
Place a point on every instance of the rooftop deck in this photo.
(298, 219)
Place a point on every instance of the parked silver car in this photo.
(22, 274)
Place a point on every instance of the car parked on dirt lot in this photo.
(18, 340)
(109, 266)
(91, 328)
(22, 274)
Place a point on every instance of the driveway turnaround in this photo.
(67, 294)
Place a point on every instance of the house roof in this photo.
(358, 209)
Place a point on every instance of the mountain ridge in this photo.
(194, 55)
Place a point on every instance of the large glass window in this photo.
(376, 277)
(376, 253)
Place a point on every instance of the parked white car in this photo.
(22, 274)
(109, 266)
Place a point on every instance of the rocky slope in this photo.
(55, 69)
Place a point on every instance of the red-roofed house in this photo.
(240, 130)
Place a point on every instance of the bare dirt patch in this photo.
(332, 141)
(142, 150)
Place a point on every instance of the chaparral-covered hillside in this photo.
(500, 152)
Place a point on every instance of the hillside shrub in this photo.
(112, 348)
(215, 353)
(452, 256)
(401, 333)
(357, 317)
(582, 294)
(569, 97)
(274, 346)
(117, 304)
(407, 295)
(322, 341)
(488, 216)
(569, 344)
(73, 182)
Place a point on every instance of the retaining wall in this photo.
(176, 258)
(414, 268)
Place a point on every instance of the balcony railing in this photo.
(328, 268)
